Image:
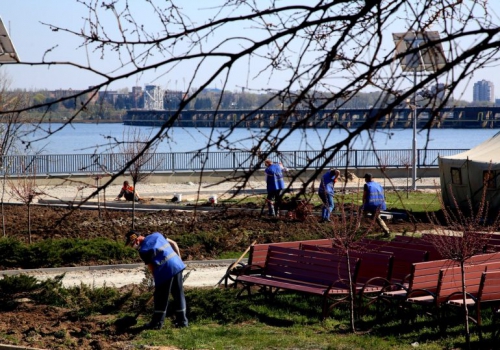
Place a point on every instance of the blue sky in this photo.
(31, 39)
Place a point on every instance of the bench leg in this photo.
(245, 287)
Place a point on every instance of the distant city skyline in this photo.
(35, 41)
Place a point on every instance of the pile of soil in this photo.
(51, 327)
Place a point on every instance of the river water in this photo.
(90, 138)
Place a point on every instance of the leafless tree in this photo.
(346, 233)
(463, 235)
(24, 188)
(138, 158)
(9, 130)
(324, 52)
(406, 161)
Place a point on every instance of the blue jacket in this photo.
(274, 178)
(327, 183)
(156, 250)
(375, 197)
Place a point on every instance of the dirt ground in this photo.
(50, 327)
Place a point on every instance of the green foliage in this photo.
(413, 201)
(12, 288)
(86, 300)
(12, 251)
(63, 252)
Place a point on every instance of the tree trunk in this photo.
(133, 207)
(351, 294)
(466, 309)
(29, 223)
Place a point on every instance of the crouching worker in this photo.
(128, 192)
(374, 201)
(162, 256)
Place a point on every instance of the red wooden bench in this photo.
(257, 258)
(410, 243)
(449, 287)
(374, 273)
(424, 278)
(304, 271)
(402, 260)
(258, 253)
(425, 275)
(488, 293)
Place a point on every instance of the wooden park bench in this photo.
(410, 243)
(425, 275)
(449, 287)
(304, 271)
(374, 273)
(402, 260)
(488, 293)
(257, 258)
(424, 278)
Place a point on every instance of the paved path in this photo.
(201, 274)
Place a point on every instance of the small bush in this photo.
(12, 252)
(63, 252)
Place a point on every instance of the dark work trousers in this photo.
(328, 205)
(273, 201)
(161, 295)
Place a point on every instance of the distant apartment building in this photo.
(484, 91)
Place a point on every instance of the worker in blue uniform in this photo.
(275, 185)
(374, 201)
(162, 256)
(326, 192)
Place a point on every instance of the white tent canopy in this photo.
(465, 175)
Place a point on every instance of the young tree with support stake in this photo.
(24, 188)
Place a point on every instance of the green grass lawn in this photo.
(221, 321)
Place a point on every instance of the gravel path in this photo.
(201, 274)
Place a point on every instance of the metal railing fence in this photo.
(195, 161)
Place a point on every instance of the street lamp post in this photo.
(415, 59)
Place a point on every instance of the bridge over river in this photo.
(456, 117)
